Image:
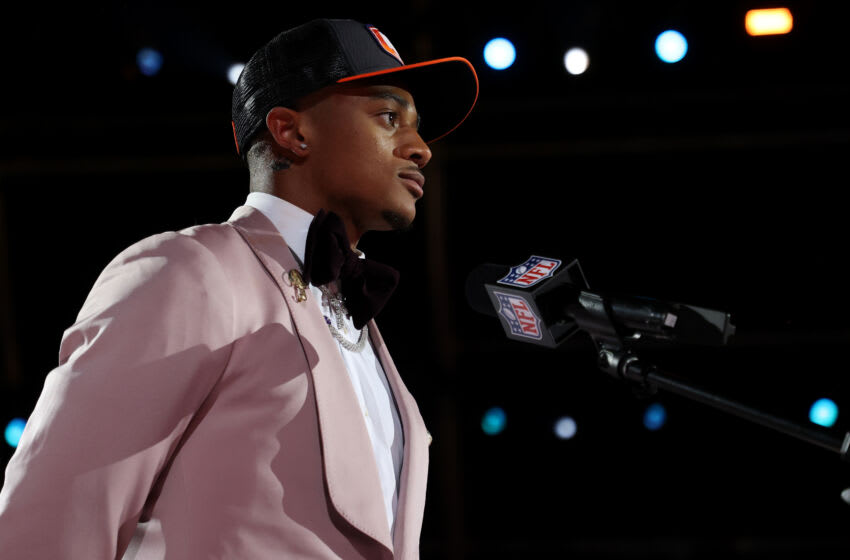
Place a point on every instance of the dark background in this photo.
(716, 181)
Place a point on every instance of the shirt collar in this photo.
(290, 221)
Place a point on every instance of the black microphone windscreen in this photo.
(476, 293)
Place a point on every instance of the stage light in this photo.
(493, 421)
(499, 53)
(576, 61)
(14, 430)
(149, 61)
(773, 21)
(654, 417)
(671, 46)
(565, 428)
(234, 71)
(824, 412)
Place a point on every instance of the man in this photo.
(215, 399)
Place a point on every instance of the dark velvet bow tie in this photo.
(366, 285)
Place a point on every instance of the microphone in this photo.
(545, 300)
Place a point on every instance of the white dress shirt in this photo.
(364, 368)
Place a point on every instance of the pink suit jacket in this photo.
(200, 411)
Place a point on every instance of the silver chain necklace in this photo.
(339, 311)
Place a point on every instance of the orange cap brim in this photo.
(472, 96)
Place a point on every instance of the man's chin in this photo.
(397, 221)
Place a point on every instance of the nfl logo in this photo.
(529, 273)
(519, 316)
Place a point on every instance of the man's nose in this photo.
(416, 150)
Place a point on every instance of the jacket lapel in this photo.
(414, 468)
(350, 470)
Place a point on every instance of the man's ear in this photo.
(283, 124)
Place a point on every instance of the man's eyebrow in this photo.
(405, 104)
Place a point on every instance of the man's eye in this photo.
(391, 117)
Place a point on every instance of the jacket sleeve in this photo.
(149, 343)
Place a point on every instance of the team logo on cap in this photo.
(384, 42)
(530, 272)
(519, 316)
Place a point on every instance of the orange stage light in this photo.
(773, 21)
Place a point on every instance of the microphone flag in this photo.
(524, 296)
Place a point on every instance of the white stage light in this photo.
(234, 72)
(576, 61)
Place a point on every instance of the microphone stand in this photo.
(618, 360)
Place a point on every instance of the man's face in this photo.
(366, 155)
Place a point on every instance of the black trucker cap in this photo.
(323, 52)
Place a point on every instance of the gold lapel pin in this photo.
(300, 286)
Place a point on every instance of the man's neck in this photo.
(300, 198)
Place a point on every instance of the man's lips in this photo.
(414, 181)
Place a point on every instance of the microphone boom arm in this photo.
(594, 314)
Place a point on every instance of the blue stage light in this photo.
(499, 53)
(824, 412)
(14, 430)
(671, 46)
(654, 417)
(493, 421)
(149, 61)
(565, 428)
